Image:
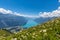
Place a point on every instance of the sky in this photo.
(30, 8)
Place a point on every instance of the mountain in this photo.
(47, 31)
(9, 20)
(30, 23)
(43, 19)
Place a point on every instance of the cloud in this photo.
(30, 16)
(58, 8)
(54, 13)
(58, 0)
(4, 11)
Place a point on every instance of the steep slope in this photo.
(4, 33)
(9, 20)
(46, 31)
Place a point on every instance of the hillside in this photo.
(46, 31)
(4, 33)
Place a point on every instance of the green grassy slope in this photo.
(46, 31)
(4, 33)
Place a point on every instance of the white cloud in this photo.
(30, 16)
(58, 8)
(2, 10)
(58, 0)
(55, 13)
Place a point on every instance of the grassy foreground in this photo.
(46, 31)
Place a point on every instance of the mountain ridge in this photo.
(46, 31)
(8, 20)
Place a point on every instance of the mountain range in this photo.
(47, 31)
(9, 20)
(15, 23)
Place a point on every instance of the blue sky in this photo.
(30, 7)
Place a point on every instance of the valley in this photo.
(47, 31)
